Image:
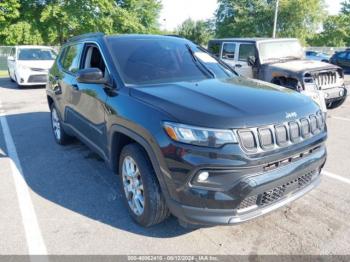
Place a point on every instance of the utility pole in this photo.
(275, 21)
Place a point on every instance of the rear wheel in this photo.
(142, 192)
(60, 135)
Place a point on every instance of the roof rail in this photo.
(78, 37)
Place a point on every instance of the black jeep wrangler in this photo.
(185, 133)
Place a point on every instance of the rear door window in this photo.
(245, 51)
(228, 51)
(70, 60)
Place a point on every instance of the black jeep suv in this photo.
(186, 135)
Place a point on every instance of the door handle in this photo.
(75, 87)
(238, 65)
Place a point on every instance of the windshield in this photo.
(36, 54)
(277, 51)
(161, 60)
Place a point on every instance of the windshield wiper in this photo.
(205, 70)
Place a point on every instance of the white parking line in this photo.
(35, 242)
(340, 118)
(337, 177)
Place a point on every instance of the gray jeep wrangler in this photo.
(282, 62)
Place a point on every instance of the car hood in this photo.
(303, 65)
(40, 64)
(232, 103)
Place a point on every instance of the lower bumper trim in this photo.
(210, 217)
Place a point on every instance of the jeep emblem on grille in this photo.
(291, 115)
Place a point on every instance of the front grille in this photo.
(248, 139)
(249, 201)
(277, 193)
(313, 124)
(38, 79)
(324, 79)
(281, 135)
(294, 131)
(254, 140)
(305, 127)
(266, 137)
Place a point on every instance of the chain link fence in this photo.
(4, 53)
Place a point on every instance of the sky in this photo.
(176, 11)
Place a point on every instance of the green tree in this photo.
(197, 31)
(54, 21)
(21, 33)
(336, 29)
(9, 10)
(254, 18)
(345, 9)
(335, 32)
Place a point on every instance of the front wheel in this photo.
(12, 80)
(142, 192)
(335, 104)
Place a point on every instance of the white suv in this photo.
(29, 65)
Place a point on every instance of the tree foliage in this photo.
(254, 18)
(335, 32)
(54, 21)
(197, 31)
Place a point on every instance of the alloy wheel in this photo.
(56, 125)
(133, 186)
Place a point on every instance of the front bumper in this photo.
(245, 179)
(335, 94)
(29, 77)
(200, 216)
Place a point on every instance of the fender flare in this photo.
(146, 146)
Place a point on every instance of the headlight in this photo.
(199, 136)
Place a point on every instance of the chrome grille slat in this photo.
(267, 138)
(325, 79)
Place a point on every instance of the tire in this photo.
(61, 137)
(336, 104)
(149, 208)
(18, 85)
(11, 79)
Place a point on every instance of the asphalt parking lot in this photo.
(63, 200)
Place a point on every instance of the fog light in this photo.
(22, 80)
(341, 93)
(203, 176)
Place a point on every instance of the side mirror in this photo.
(10, 58)
(251, 60)
(90, 76)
